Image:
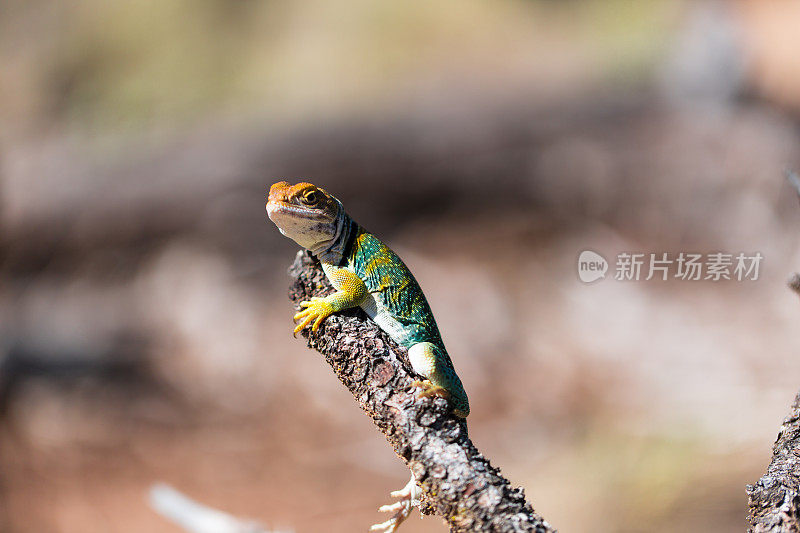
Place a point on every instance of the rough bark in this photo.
(458, 482)
(774, 500)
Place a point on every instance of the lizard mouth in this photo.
(278, 208)
(283, 208)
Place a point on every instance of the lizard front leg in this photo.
(350, 292)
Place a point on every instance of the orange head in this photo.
(305, 213)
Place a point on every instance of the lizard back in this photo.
(394, 288)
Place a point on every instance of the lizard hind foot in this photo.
(429, 389)
(408, 499)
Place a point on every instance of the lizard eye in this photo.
(310, 198)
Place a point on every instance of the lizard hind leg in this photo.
(408, 498)
(424, 358)
(432, 362)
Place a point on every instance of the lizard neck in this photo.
(334, 250)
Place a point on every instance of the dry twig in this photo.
(195, 517)
(458, 482)
(774, 500)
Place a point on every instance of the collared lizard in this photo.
(366, 273)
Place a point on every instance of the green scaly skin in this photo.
(394, 288)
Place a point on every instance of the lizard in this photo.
(367, 274)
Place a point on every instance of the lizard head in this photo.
(305, 213)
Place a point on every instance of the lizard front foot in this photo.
(409, 497)
(429, 389)
(316, 310)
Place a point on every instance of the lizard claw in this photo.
(316, 311)
(409, 497)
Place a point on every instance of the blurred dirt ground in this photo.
(144, 325)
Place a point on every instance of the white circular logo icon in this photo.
(591, 266)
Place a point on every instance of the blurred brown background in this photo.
(144, 324)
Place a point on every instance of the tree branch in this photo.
(794, 283)
(458, 482)
(195, 517)
(774, 500)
